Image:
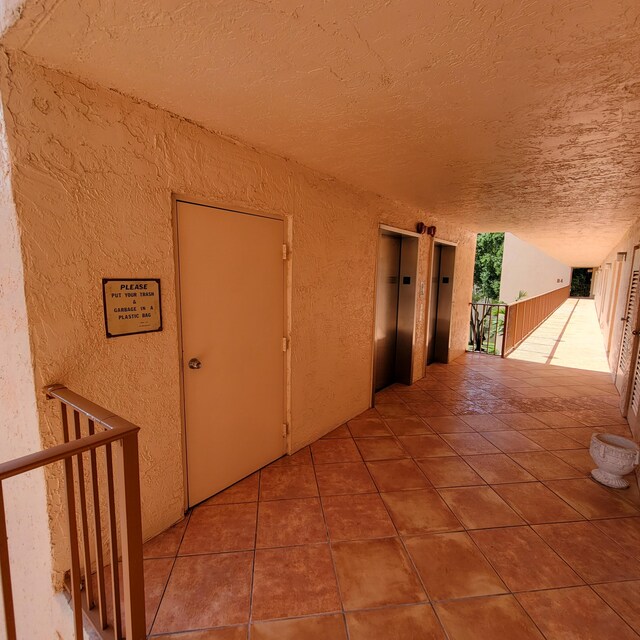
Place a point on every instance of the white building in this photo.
(527, 268)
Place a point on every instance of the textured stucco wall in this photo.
(25, 496)
(526, 268)
(507, 115)
(94, 172)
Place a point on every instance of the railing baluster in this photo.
(73, 533)
(494, 313)
(491, 318)
(131, 527)
(5, 575)
(113, 545)
(84, 520)
(97, 533)
(488, 335)
(497, 334)
(505, 331)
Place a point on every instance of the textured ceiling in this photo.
(521, 116)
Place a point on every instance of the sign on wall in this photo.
(131, 306)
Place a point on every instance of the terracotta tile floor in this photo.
(429, 517)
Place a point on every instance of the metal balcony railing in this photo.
(486, 331)
(100, 457)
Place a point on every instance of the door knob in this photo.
(194, 363)
(636, 332)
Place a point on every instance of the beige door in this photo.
(231, 271)
(605, 291)
(615, 290)
(628, 360)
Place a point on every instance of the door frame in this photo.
(399, 232)
(613, 303)
(286, 240)
(604, 294)
(434, 242)
(428, 318)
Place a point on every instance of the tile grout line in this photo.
(466, 532)
(253, 560)
(333, 560)
(582, 577)
(173, 564)
(395, 437)
(402, 541)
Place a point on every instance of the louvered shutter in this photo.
(627, 337)
(635, 391)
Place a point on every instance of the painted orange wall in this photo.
(94, 174)
(26, 495)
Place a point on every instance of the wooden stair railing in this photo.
(109, 444)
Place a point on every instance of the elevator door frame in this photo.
(408, 332)
(438, 349)
(432, 308)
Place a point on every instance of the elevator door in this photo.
(387, 310)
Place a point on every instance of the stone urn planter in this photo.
(615, 456)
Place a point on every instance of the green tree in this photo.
(581, 283)
(488, 268)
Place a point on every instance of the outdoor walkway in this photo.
(570, 337)
(460, 507)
